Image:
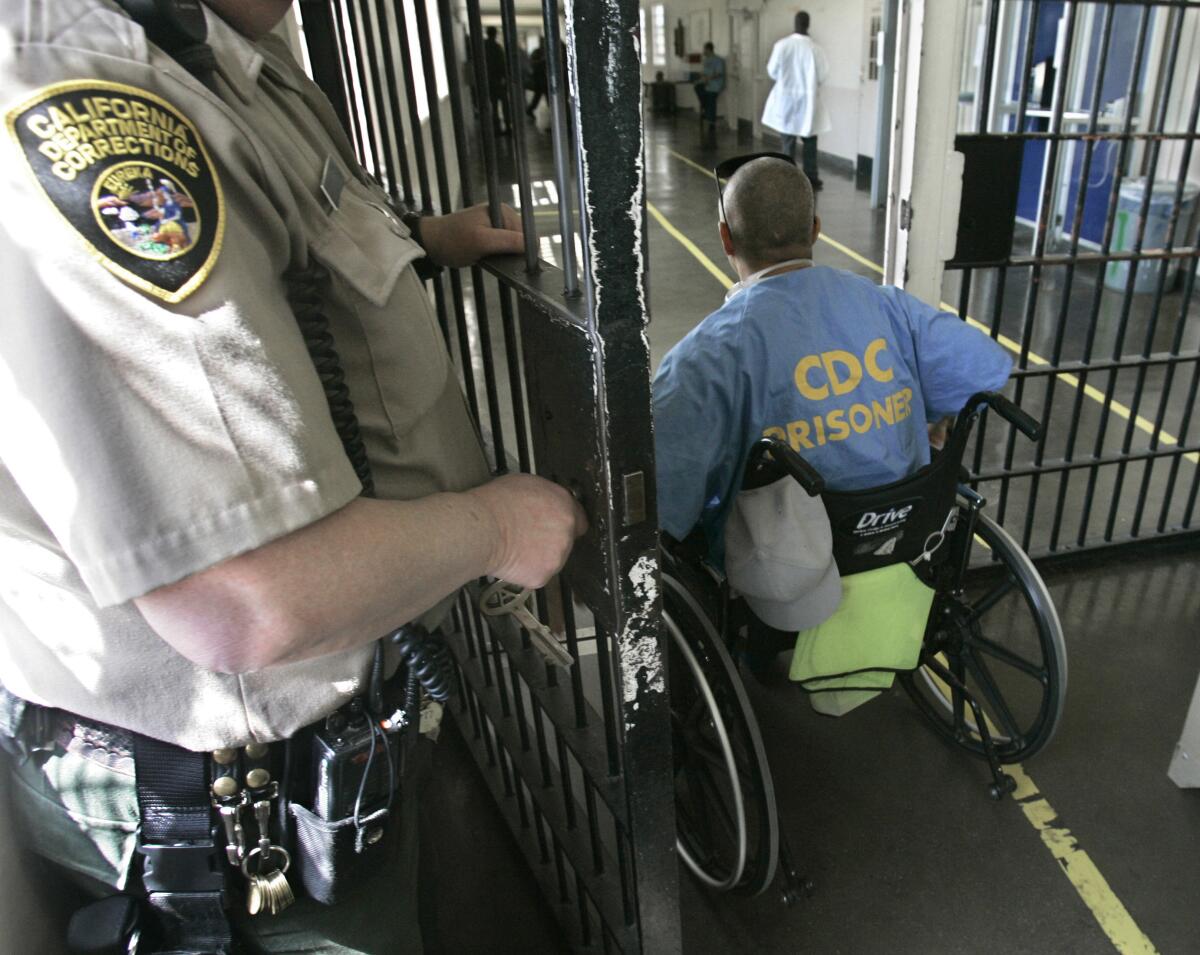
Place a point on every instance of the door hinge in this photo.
(905, 214)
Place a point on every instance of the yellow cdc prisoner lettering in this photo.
(833, 374)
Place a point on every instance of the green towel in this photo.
(876, 631)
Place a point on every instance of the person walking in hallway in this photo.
(497, 74)
(794, 108)
(712, 82)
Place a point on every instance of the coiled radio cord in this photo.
(427, 657)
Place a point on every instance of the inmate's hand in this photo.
(535, 525)
(939, 431)
(463, 238)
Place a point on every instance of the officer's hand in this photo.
(536, 523)
(463, 238)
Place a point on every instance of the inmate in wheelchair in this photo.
(984, 659)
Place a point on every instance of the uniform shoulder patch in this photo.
(130, 173)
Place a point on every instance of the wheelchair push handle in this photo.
(1021, 420)
(809, 477)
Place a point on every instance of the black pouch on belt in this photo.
(348, 834)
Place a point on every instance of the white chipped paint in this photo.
(641, 661)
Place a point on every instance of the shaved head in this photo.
(769, 211)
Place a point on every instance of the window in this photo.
(658, 24)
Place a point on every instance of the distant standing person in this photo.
(497, 74)
(712, 82)
(538, 83)
(794, 108)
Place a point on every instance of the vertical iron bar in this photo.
(585, 920)
(589, 796)
(558, 134)
(498, 659)
(514, 678)
(516, 118)
(608, 707)
(568, 606)
(564, 894)
(414, 112)
(512, 355)
(539, 729)
(403, 189)
(997, 314)
(352, 14)
(989, 66)
(487, 131)
(321, 36)
(564, 775)
(539, 827)
(379, 111)
(344, 45)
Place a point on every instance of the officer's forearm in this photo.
(335, 584)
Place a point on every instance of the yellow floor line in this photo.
(1078, 867)
(691, 246)
(1117, 408)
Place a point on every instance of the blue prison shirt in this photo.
(848, 372)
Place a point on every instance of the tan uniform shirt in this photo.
(145, 439)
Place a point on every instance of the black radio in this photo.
(355, 765)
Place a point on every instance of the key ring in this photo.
(928, 551)
(503, 598)
(269, 854)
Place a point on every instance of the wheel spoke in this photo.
(1005, 655)
(957, 701)
(987, 683)
(991, 598)
(717, 800)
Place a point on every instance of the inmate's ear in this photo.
(726, 237)
(816, 228)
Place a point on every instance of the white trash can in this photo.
(1129, 207)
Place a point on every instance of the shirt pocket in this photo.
(383, 325)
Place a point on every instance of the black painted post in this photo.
(606, 96)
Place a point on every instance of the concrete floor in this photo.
(894, 826)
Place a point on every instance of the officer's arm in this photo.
(364, 570)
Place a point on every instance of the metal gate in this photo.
(578, 758)
(1073, 125)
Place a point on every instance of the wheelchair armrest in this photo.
(781, 453)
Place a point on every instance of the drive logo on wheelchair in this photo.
(877, 531)
(885, 520)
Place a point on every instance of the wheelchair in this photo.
(991, 676)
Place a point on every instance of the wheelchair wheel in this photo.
(1002, 639)
(728, 830)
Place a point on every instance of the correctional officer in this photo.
(185, 549)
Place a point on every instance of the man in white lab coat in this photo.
(794, 108)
